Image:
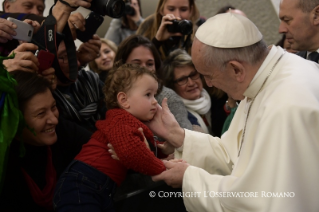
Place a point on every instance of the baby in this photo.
(90, 180)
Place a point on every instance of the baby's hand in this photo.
(112, 152)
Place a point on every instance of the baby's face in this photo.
(141, 98)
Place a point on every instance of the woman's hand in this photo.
(90, 50)
(49, 74)
(24, 59)
(166, 148)
(231, 102)
(76, 21)
(162, 32)
(36, 26)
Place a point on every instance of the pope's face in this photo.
(221, 79)
(297, 25)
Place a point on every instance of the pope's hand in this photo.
(174, 174)
(165, 125)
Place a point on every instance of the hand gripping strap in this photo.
(47, 36)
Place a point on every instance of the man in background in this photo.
(24, 6)
(300, 24)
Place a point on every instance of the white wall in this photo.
(148, 7)
(276, 5)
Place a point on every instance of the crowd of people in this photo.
(175, 103)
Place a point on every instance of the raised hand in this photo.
(49, 74)
(89, 51)
(6, 30)
(24, 59)
(162, 32)
(165, 126)
(76, 21)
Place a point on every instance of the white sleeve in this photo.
(277, 169)
(113, 32)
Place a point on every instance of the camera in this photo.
(92, 22)
(111, 8)
(182, 26)
(129, 10)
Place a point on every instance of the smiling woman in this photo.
(105, 60)
(182, 77)
(47, 144)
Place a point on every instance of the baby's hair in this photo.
(120, 79)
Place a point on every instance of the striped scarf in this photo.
(81, 102)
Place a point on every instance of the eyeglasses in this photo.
(64, 59)
(183, 80)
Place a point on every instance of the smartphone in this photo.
(24, 31)
(92, 22)
(45, 59)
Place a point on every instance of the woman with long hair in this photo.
(139, 50)
(127, 25)
(155, 26)
(104, 62)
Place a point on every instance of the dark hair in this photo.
(225, 9)
(28, 85)
(126, 47)
(125, 19)
(120, 79)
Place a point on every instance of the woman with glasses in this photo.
(181, 76)
(81, 101)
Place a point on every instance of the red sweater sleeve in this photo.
(129, 146)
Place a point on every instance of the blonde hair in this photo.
(113, 47)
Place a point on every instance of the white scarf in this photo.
(201, 105)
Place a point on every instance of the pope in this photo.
(272, 146)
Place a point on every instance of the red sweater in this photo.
(120, 128)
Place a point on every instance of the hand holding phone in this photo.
(24, 31)
(45, 60)
(7, 30)
(92, 22)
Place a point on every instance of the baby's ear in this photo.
(122, 100)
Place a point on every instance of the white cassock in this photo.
(277, 168)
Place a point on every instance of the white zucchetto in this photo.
(228, 30)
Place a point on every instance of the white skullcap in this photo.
(228, 30)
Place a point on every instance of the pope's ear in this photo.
(237, 70)
(122, 100)
(315, 13)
